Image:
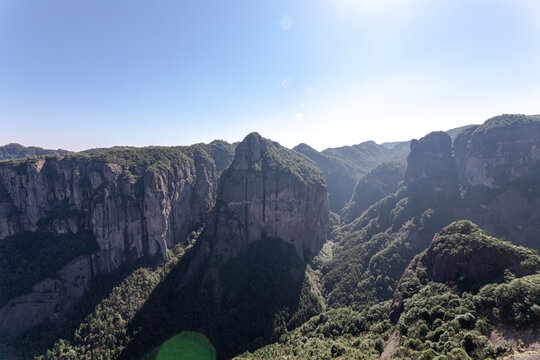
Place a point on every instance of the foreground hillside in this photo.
(450, 304)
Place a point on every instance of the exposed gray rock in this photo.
(130, 216)
(501, 150)
(269, 191)
(50, 299)
(430, 165)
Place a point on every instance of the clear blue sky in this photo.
(92, 73)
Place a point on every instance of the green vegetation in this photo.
(277, 158)
(29, 257)
(344, 166)
(438, 321)
(464, 255)
(466, 240)
(448, 299)
(505, 121)
(340, 333)
(443, 321)
(187, 345)
(454, 318)
(17, 151)
(341, 176)
(284, 160)
(263, 292)
(266, 292)
(138, 160)
(372, 252)
(365, 156)
(516, 303)
(110, 304)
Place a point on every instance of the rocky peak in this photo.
(251, 150)
(269, 192)
(464, 252)
(430, 165)
(465, 255)
(430, 156)
(305, 149)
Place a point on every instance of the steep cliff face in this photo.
(430, 165)
(499, 168)
(502, 149)
(269, 192)
(135, 203)
(50, 299)
(375, 248)
(248, 266)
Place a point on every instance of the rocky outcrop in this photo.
(434, 194)
(430, 165)
(465, 255)
(249, 263)
(499, 151)
(136, 203)
(269, 192)
(498, 164)
(50, 299)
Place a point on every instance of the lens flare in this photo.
(187, 345)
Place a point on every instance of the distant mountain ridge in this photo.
(17, 151)
(344, 166)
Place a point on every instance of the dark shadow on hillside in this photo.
(239, 306)
(37, 340)
(100, 288)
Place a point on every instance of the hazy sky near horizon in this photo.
(83, 74)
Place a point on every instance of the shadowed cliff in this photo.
(244, 282)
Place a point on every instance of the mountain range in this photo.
(424, 249)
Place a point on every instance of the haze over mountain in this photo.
(306, 179)
(266, 251)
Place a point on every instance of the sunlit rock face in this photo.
(501, 150)
(269, 191)
(129, 215)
